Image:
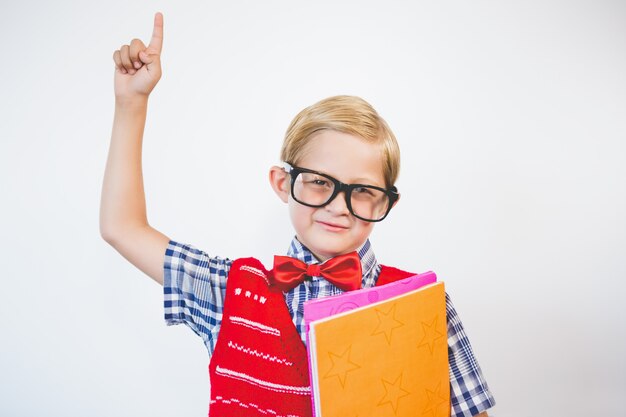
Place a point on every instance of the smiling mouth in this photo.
(332, 227)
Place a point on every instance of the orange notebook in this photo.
(388, 358)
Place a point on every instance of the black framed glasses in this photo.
(365, 202)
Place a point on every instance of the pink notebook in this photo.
(328, 306)
(325, 307)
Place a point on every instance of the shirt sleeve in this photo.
(469, 393)
(194, 286)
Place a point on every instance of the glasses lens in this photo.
(312, 189)
(369, 203)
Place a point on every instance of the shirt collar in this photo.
(366, 254)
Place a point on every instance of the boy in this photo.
(341, 161)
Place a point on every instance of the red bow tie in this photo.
(343, 271)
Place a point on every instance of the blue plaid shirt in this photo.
(194, 288)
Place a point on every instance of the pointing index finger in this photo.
(156, 42)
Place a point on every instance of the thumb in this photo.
(147, 59)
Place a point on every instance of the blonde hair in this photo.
(347, 114)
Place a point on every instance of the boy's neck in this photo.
(322, 259)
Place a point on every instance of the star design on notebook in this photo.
(387, 322)
(431, 335)
(435, 400)
(393, 393)
(341, 366)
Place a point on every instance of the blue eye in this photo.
(319, 182)
(363, 190)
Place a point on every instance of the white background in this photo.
(511, 117)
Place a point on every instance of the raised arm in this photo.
(123, 220)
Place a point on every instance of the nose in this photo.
(339, 204)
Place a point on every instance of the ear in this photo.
(280, 182)
(396, 202)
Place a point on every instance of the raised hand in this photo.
(137, 67)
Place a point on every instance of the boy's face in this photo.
(332, 230)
